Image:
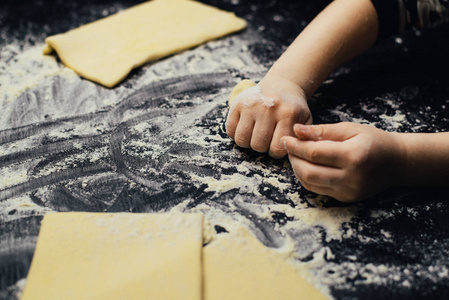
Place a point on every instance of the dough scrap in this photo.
(105, 51)
(117, 256)
(238, 266)
(239, 88)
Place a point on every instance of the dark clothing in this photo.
(400, 15)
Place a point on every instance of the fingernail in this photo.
(302, 128)
(284, 143)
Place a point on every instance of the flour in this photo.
(387, 121)
(12, 175)
(379, 274)
(394, 122)
(251, 96)
(229, 182)
(345, 116)
(36, 83)
(188, 149)
(18, 207)
(225, 54)
(22, 70)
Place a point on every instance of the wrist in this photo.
(283, 85)
(399, 168)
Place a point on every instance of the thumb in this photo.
(334, 132)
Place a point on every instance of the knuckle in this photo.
(259, 146)
(241, 140)
(233, 110)
(309, 187)
(308, 175)
(320, 131)
(230, 130)
(313, 154)
(289, 112)
(277, 152)
(294, 114)
(237, 102)
(297, 149)
(359, 157)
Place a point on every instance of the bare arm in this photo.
(343, 30)
(426, 159)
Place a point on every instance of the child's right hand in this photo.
(262, 114)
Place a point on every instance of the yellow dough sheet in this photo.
(237, 266)
(105, 51)
(117, 256)
(155, 256)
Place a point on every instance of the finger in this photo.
(326, 191)
(244, 131)
(283, 128)
(335, 132)
(328, 153)
(262, 134)
(316, 175)
(231, 122)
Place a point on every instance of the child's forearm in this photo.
(340, 32)
(426, 159)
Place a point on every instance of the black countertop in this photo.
(392, 246)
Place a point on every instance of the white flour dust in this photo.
(35, 88)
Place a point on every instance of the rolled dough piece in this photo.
(117, 256)
(106, 50)
(237, 266)
(240, 87)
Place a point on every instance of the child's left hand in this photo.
(346, 161)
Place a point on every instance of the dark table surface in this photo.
(159, 144)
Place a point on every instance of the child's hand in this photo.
(262, 114)
(346, 161)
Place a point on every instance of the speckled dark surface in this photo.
(411, 71)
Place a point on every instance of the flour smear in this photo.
(35, 88)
